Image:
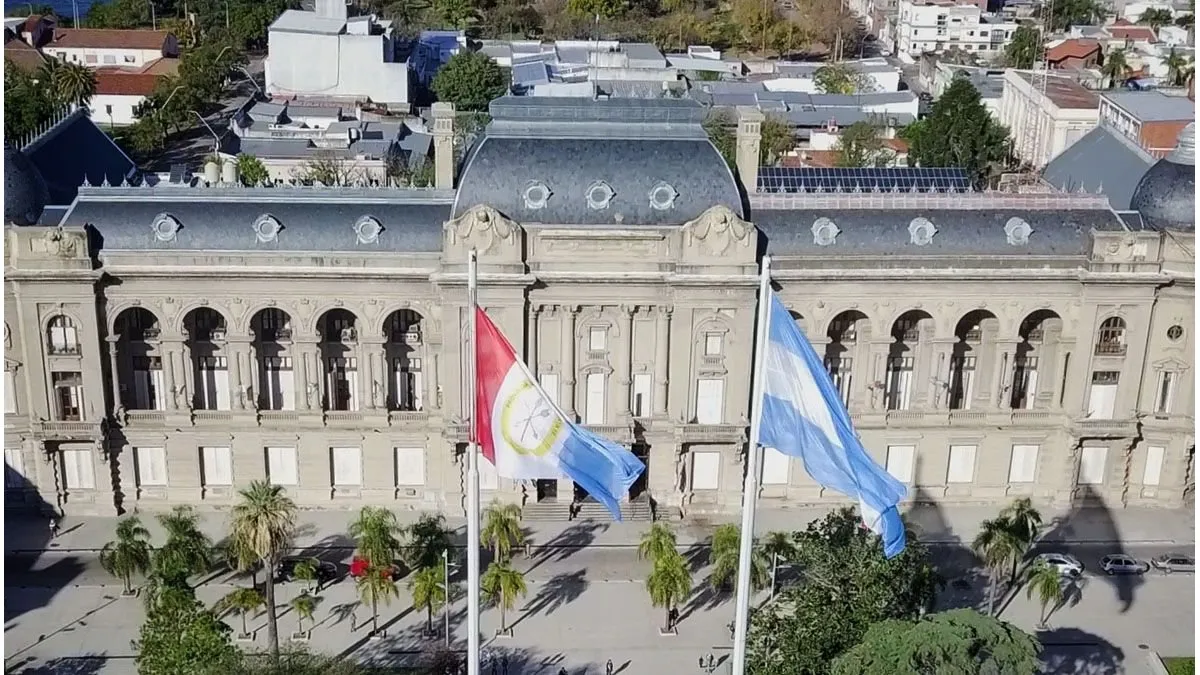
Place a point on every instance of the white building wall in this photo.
(114, 109)
(936, 28)
(1039, 128)
(341, 66)
(123, 57)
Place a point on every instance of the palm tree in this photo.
(669, 583)
(74, 83)
(1026, 523)
(503, 585)
(377, 535)
(306, 571)
(1115, 66)
(375, 586)
(240, 601)
(304, 605)
(998, 546)
(188, 551)
(1176, 66)
(502, 529)
(427, 539)
(778, 547)
(1046, 582)
(129, 553)
(239, 558)
(657, 542)
(428, 590)
(264, 523)
(724, 556)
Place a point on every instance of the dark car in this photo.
(925, 96)
(327, 572)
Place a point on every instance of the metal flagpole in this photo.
(750, 488)
(472, 479)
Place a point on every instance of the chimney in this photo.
(749, 136)
(443, 145)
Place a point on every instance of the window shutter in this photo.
(1154, 461)
(352, 385)
(776, 469)
(595, 399)
(488, 478)
(1102, 402)
(14, 468)
(962, 464)
(549, 382)
(710, 399)
(706, 470)
(1091, 465)
(900, 462)
(1031, 384)
(221, 388)
(347, 466)
(1024, 464)
(418, 387)
(10, 392)
(218, 466)
(151, 466)
(410, 466)
(142, 392)
(286, 389)
(78, 471)
(158, 390)
(281, 466)
(641, 395)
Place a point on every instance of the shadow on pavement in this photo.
(1071, 651)
(1091, 521)
(88, 664)
(559, 590)
(564, 544)
(27, 542)
(966, 578)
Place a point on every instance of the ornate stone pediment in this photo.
(718, 232)
(58, 242)
(485, 229)
(1171, 364)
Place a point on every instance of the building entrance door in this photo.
(642, 452)
(547, 490)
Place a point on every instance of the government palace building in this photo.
(169, 341)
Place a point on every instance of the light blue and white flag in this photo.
(803, 416)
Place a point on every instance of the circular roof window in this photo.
(921, 231)
(267, 228)
(165, 227)
(662, 196)
(599, 195)
(536, 195)
(368, 230)
(1017, 231)
(825, 231)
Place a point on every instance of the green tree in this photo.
(1046, 583)
(187, 551)
(959, 641)
(1186, 20)
(1067, 13)
(718, 125)
(428, 589)
(1155, 18)
(860, 145)
(470, 80)
(605, 9)
(263, 521)
(406, 12)
(1177, 68)
(1024, 49)
(777, 139)
(240, 601)
(657, 542)
(428, 538)
(180, 635)
(669, 583)
(375, 586)
(847, 586)
(503, 585)
(27, 103)
(839, 78)
(298, 662)
(959, 133)
(1026, 522)
(129, 554)
(723, 555)
(1115, 67)
(251, 170)
(306, 571)
(75, 83)
(304, 605)
(999, 547)
(502, 529)
(457, 14)
(376, 536)
(778, 547)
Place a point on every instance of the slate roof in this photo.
(76, 152)
(1102, 161)
(977, 232)
(222, 219)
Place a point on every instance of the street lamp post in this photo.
(446, 604)
(216, 138)
(774, 569)
(153, 17)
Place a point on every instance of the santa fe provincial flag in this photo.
(525, 435)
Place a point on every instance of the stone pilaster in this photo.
(531, 352)
(941, 373)
(114, 372)
(1000, 384)
(662, 341)
(876, 384)
(569, 346)
(624, 366)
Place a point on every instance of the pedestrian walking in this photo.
(54, 525)
(608, 668)
(353, 621)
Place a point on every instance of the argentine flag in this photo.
(803, 416)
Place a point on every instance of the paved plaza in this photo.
(587, 601)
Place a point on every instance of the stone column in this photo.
(366, 375)
(940, 374)
(531, 355)
(1001, 393)
(569, 345)
(433, 387)
(233, 349)
(166, 359)
(115, 372)
(624, 375)
(302, 364)
(877, 373)
(662, 341)
(383, 371)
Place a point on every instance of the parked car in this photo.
(1065, 564)
(327, 572)
(1174, 562)
(1119, 563)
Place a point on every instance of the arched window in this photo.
(63, 337)
(1111, 339)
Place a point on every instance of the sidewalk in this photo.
(938, 525)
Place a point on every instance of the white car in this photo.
(1119, 563)
(1065, 564)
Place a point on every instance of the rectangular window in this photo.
(218, 466)
(640, 405)
(1025, 381)
(347, 466)
(594, 410)
(962, 382)
(278, 384)
(151, 466)
(281, 466)
(1091, 465)
(410, 466)
(549, 382)
(706, 470)
(14, 469)
(597, 338)
(78, 472)
(130, 58)
(899, 382)
(710, 401)
(776, 467)
(10, 392)
(1154, 461)
(341, 383)
(713, 344)
(839, 368)
(68, 395)
(900, 462)
(961, 467)
(1164, 397)
(212, 383)
(1102, 399)
(1023, 468)
(407, 374)
(149, 390)
(488, 478)
(90, 58)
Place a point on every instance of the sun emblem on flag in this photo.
(529, 423)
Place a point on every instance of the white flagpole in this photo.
(472, 478)
(750, 488)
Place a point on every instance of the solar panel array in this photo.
(892, 179)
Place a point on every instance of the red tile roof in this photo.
(96, 38)
(20, 54)
(115, 82)
(1125, 30)
(1072, 49)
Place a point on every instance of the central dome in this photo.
(1166, 194)
(25, 193)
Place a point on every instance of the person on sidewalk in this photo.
(55, 523)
